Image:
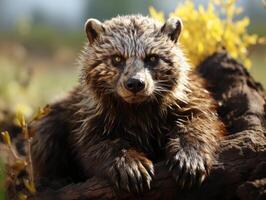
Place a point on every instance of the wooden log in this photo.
(240, 171)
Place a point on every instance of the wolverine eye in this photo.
(118, 61)
(152, 60)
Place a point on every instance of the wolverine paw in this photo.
(188, 168)
(132, 171)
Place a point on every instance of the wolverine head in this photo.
(134, 58)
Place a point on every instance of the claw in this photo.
(167, 162)
(149, 184)
(201, 179)
(140, 182)
(145, 175)
(136, 188)
(124, 179)
(182, 177)
(149, 168)
(132, 179)
(182, 183)
(171, 167)
(177, 178)
(193, 179)
(141, 186)
(128, 189)
(117, 185)
(152, 171)
(132, 174)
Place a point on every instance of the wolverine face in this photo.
(135, 83)
(133, 58)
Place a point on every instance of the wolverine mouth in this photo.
(135, 98)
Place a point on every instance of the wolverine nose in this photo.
(134, 85)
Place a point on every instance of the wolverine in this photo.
(138, 102)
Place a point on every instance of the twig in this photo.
(29, 160)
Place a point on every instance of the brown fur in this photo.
(103, 129)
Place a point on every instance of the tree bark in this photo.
(240, 171)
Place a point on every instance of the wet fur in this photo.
(94, 132)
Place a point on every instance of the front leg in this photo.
(115, 160)
(191, 149)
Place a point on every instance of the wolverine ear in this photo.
(93, 28)
(172, 28)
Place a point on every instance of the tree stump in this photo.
(240, 171)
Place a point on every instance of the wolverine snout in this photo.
(134, 85)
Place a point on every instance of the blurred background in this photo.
(40, 42)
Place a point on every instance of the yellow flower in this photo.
(157, 15)
(206, 32)
(23, 110)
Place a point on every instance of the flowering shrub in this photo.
(17, 164)
(207, 30)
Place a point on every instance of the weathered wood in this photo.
(241, 161)
(240, 171)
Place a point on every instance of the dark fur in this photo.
(93, 132)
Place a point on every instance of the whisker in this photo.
(161, 81)
(155, 98)
(158, 93)
(161, 90)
